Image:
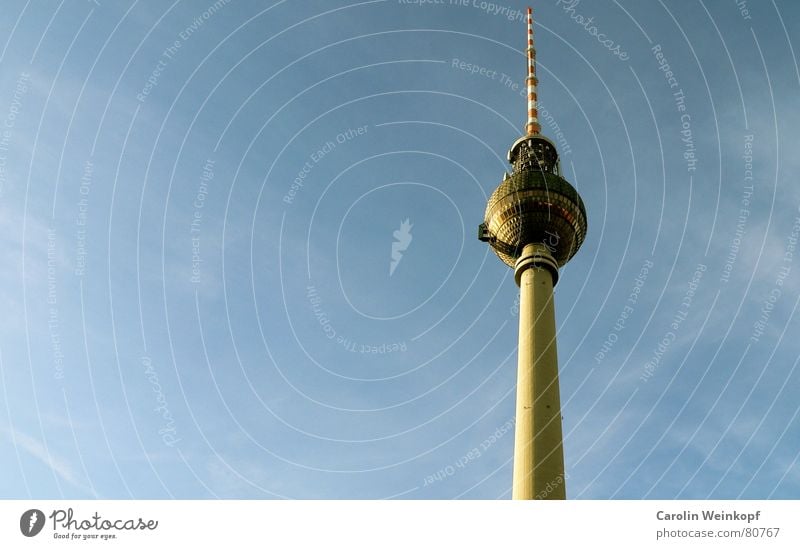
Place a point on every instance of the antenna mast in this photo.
(532, 127)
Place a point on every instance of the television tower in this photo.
(535, 222)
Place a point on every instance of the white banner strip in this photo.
(390, 524)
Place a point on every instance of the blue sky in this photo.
(199, 203)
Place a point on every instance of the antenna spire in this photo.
(532, 127)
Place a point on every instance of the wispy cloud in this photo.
(37, 450)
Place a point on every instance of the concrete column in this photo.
(538, 450)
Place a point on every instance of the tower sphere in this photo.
(534, 204)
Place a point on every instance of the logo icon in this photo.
(31, 522)
(402, 238)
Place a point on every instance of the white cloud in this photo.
(37, 450)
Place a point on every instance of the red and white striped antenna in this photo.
(532, 127)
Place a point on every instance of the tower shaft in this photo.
(538, 445)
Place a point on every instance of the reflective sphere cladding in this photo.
(533, 206)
